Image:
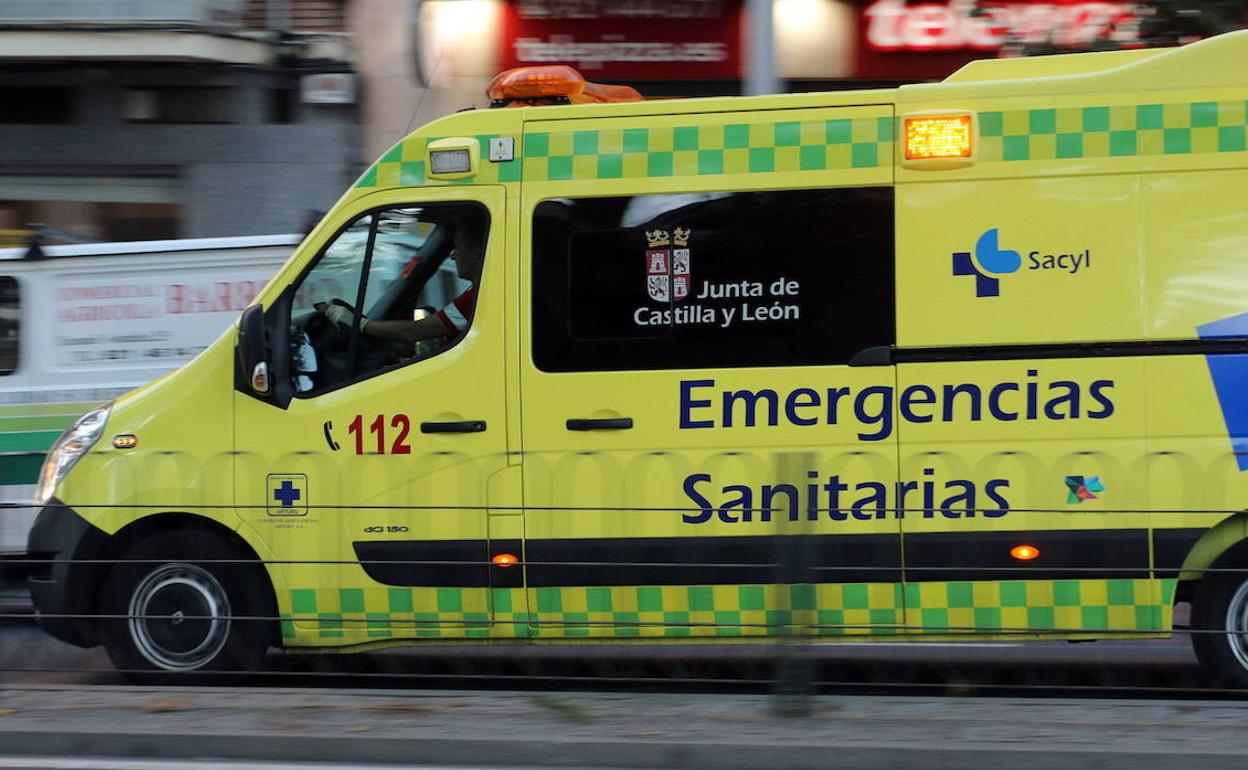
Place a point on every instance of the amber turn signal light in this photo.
(938, 136)
(1024, 552)
(504, 560)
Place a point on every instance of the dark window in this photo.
(10, 324)
(36, 105)
(781, 278)
(177, 105)
(413, 270)
(138, 221)
(285, 105)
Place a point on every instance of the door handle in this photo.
(460, 426)
(610, 423)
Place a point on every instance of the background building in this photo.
(125, 119)
(136, 119)
(420, 59)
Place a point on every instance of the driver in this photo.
(469, 254)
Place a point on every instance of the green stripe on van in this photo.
(72, 409)
(22, 469)
(33, 441)
(51, 422)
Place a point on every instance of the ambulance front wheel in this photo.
(183, 604)
(1220, 627)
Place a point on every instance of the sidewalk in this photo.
(724, 732)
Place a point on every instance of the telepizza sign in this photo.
(626, 39)
(932, 39)
(895, 25)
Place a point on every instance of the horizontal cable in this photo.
(183, 506)
(598, 679)
(761, 566)
(900, 629)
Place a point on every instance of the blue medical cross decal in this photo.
(287, 494)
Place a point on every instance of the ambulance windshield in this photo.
(412, 270)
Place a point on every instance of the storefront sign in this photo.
(964, 30)
(626, 39)
(329, 88)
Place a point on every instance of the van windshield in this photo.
(401, 266)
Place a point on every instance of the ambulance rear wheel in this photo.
(1220, 628)
(182, 604)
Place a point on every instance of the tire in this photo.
(171, 610)
(1220, 628)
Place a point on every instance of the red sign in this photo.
(932, 39)
(626, 39)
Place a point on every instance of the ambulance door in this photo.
(1021, 392)
(368, 481)
(700, 457)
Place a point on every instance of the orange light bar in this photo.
(938, 136)
(125, 441)
(553, 84)
(1024, 552)
(504, 559)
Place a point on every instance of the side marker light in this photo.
(125, 441)
(504, 560)
(1024, 552)
(450, 161)
(938, 136)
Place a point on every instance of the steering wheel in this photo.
(330, 341)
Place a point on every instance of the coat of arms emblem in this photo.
(668, 264)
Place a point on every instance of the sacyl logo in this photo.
(990, 261)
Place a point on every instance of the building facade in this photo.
(141, 119)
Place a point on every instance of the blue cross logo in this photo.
(286, 494)
(990, 260)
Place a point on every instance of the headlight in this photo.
(68, 449)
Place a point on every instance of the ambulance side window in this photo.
(10, 318)
(773, 278)
(395, 286)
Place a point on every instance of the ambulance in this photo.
(962, 360)
(82, 324)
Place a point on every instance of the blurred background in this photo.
(153, 119)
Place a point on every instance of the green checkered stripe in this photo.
(710, 150)
(1036, 605)
(1107, 132)
(351, 615)
(747, 610)
(674, 151)
(404, 166)
(354, 615)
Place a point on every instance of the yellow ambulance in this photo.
(948, 361)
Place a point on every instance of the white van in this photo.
(87, 323)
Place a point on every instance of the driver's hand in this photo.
(340, 315)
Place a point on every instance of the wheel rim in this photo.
(1237, 624)
(179, 617)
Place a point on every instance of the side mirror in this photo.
(253, 349)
